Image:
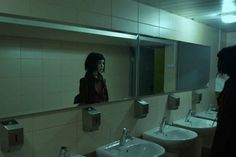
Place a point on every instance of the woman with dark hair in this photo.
(93, 87)
(224, 144)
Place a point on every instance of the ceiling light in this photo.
(228, 12)
(229, 18)
(228, 6)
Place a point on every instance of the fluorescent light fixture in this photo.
(228, 6)
(228, 10)
(229, 18)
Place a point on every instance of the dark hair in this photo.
(91, 61)
(227, 61)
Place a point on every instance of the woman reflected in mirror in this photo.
(93, 87)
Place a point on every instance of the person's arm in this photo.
(105, 90)
(83, 91)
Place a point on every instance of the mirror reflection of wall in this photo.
(168, 66)
(41, 75)
(193, 67)
(156, 66)
(41, 72)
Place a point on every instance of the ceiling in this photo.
(203, 11)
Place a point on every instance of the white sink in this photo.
(77, 155)
(172, 138)
(198, 125)
(210, 115)
(134, 147)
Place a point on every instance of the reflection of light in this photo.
(228, 18)
(228, 8)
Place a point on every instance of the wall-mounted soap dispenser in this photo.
(11, 135)
(91, 119)
(196, 97)
(173, 102)
(141, 109)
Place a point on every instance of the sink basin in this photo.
(133, 147)
(77, 155)
(172, 139)
(210, 115)
(199, 125)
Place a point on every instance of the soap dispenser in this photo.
(173, 102)
(11, 135)
(141, 109)
(91, 119)
(196, 97)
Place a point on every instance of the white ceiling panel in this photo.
(203, 11)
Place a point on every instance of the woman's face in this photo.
(101, 66)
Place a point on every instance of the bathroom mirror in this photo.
(168, 66)
(193, 66)
(157, 66)
(41, 64)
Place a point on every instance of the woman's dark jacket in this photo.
(87, 90)
(224, 144)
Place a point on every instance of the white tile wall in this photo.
(230, 38)
(40, 75)
(119, 24)
(126, 9)
(15, 7)
(99, 6)
(149, 15)
(149, 30)
(46, 132)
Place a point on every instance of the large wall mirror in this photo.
(41, 65)
(169, 66)
(193, 66)
(157, 66)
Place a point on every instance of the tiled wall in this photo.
(230, 38)
(46, 132)
(40, 75)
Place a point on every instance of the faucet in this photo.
(64, 152)
(162, 125)
(124, 137)
(188, 115)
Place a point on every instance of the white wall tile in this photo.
(149, 30)
(53, 12)
(31, 49)
(231, 38)
(31, 68)
(30, 103)
(10, 106)
(149, 15)
(119, 24)
(99, 6)
(10, 87)
(48, 142)
(51, 68)
(70, 67)
(10, 68)
(167, 20)
(56, 119)
(126, 9)
(15, 7)
(9, 49)
(98, 20)
(168, 33)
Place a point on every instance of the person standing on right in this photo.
(224, 143)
